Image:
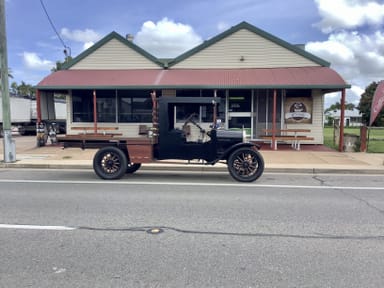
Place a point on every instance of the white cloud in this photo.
(333, 51)
(88, 45)
(352, 96)
(349, 14)
(83, 36)
(357, 91)
(358, 58)
(166, 38)
(222, 26)
(34, 62)
(86, 37)
(356, 55)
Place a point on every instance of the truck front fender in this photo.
(229, 151)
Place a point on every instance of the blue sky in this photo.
(347, 33)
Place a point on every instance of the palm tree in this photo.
(10, 73)
(25, 89)
(14, 87)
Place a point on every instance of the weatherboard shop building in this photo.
(267, 85)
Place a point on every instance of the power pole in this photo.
(9, 144)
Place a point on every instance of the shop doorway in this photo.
(240, 110)
(263, 107)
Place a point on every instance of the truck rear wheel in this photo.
(110, 163)
(245, 164)
(132, 168)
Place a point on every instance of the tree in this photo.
(337, 106)
(14, 87)
(366, 103)
(26, 89)
(23, 89)
(9, 73)
(59, 64)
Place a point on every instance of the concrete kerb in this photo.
(87, 164)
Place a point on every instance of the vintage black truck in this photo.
(118, 155)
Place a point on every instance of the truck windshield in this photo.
(204, 113)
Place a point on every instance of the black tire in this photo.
(22, 131)
(132, 168)
(110, 163)
(245, 164)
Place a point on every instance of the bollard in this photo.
(363, 138)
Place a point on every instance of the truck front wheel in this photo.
(245, 164)
(110, 163)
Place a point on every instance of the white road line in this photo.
(36, 227)
(201, 184)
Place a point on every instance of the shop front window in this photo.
(135, 106)
(82, 105)
(113, 106)
(240, 122)
(106, 105)
(240, 101)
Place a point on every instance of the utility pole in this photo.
(9, 144)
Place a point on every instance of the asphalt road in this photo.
(67, 228)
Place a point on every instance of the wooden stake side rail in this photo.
(139, 148)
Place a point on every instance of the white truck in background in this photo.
(24, 115)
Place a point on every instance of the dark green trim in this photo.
(109, 37)
(151, 87)
(247, 26)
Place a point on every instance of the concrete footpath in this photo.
(283, 161)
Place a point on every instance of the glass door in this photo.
(240, 110)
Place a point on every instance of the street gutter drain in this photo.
(155, 231)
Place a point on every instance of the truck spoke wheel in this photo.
(132, 168)
(245, 165)
(110, 163)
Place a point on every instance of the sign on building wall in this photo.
(298, 110)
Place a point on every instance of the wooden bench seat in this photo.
(103, 130)
(290, 135)
(286, 131)
(89, 128)
(295, 140)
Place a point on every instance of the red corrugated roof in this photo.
(302, 77)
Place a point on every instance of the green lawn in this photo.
(375, 144)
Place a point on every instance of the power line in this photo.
(54, 29)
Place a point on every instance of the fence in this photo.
(375, 138)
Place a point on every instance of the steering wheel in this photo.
(190, 120)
